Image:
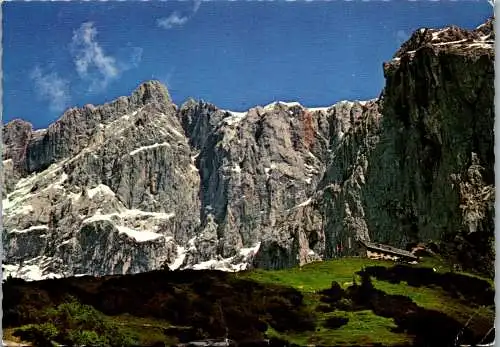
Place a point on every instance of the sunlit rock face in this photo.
(139, 183)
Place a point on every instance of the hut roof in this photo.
(387, 249)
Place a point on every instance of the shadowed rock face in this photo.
(16, 135)
(137, 183)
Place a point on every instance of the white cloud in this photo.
(92, 63)
(178, 19)
(402, 36)
(175, 19)
(136, 56)
(52, 88)
(196, 6)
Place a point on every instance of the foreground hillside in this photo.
(346, 302)
(140, 183)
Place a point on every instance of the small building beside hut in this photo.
(379, 251)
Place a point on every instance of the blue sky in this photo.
(233, 54)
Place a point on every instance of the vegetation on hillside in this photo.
(349, 301)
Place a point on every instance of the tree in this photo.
(75, 324)
(41, 335)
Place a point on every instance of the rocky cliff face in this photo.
(139, 183)
(424, 170)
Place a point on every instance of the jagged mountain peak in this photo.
(152, 91)
(138, 183)
(449, 38)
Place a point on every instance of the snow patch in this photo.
(193, 168)
(311, 155)
(13, 206)
(176, 133)
(345, 102)
(179, 260)
(246, 252)
(228, 264)
(481, 45)
(74, 196)
(305, 203)
(236, 168)
(276, 103)
(289, 104)
(485, 37)
(318, 109)
(267, 170)
(235, 117)
(139, 236)
(65, 242)
(449, 43)
(133, 214)
(101, 189)
(194, 157)
(191, 244)
(31, 228)
(173, 130)
(33, 270)
(145, 148)
(435, 35)
(208, 265)
(480, 26)
(59, 182)
(98, 218)
(138, 213)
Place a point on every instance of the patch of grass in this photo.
(442, 266)
(148, 330)
(437, 299)
(451, 294)
(363, 329)
(314, 276)
(364, 326)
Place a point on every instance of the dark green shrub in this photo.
(40, 335)
(336, 322)
(75, 324)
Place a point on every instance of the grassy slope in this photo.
(364, 327)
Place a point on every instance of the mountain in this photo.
(139, 183)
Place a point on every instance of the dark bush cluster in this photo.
(430, 328)
(476, 290)
(74, 324)
(336, 322)
(211, 302)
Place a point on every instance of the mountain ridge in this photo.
(139, 183)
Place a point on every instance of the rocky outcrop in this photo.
(16, 136)
(437, 126)
(112, 201)
(138, 183)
